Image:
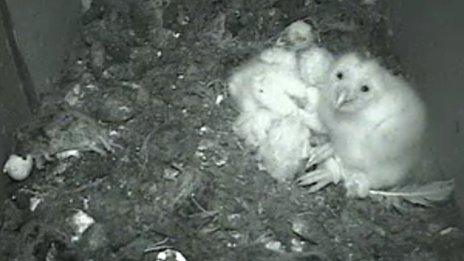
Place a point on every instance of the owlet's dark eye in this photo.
(340, 75)
(365, 88)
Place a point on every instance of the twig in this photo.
(158, 246)
(86, 186)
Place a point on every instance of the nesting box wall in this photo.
(429, 42)
(14, 104)
(35, 36)
(43, 30)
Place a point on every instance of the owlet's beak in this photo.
(342, 97)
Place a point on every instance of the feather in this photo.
(423, 195)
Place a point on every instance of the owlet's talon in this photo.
(319, 154)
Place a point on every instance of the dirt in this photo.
(152, 75)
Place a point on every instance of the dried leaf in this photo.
(424, 195)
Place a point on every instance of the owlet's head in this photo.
(355, 83)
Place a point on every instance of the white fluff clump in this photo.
(285, 147)
(253, 126)
(272, 101)
(80, 222)
(277, 108)
(270, 82)
(18, 168)
(298, 35)
(314, 65)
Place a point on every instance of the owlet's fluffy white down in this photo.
(277, 108)
(376, 123)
